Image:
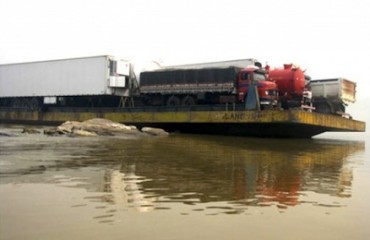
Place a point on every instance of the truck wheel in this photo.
(339, 108)
(173, 101)
(323, 107)
(188, 101)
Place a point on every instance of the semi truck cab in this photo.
(267, 90)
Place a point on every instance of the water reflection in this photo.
(202, 172)
(126, 190)
(206, 173)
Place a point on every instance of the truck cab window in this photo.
(245, 76)
(258, 76)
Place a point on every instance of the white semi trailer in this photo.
(86, 81)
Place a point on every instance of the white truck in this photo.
(332, 95)
(86, 81)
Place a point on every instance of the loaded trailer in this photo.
(86, 81)
(331, 96)
(209, 85)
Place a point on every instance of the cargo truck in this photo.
(210, 85)
(88, 81)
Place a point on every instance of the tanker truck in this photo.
(208, 85)
(329, 96)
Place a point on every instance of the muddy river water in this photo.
(183, 187)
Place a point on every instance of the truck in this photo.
(329, 96)
(87, 81)
(332, 95)
(206, 85)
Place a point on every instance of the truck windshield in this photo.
(258, 76)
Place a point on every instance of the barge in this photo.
(229, 98)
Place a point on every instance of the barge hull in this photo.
(279, 124)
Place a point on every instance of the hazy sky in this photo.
(328, 38)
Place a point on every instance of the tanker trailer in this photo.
(291, 82)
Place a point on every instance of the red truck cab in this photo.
(267, 90)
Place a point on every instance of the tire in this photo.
(173, 101)
(339, 108)
(323, 107)
(188, 101)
